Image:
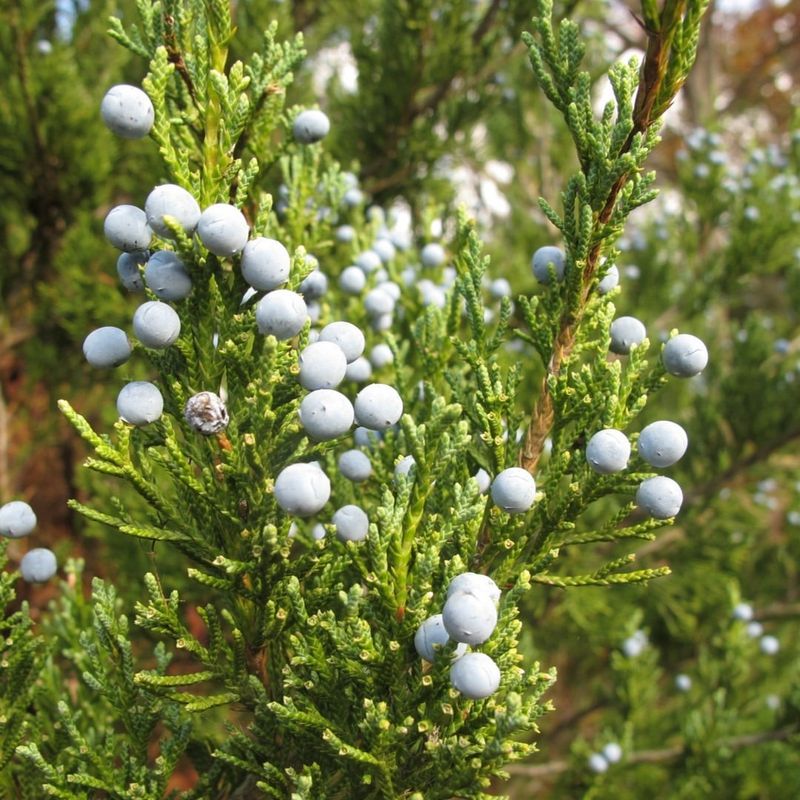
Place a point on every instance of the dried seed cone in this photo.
(206, 413)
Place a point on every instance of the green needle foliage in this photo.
(296, 675)
(20, 662)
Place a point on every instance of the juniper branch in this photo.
(651, 82)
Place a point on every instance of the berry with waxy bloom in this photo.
(38, 565)
(684, 356)
(355, 465)
(126, 228)
(352, 523)
(322, 366)
(433, 255)
(476, 583)
(174, 201)
(610, 280)
(378, 406)
(431, 636)
(17, 519)
(661, 496)
(597, 763)
(302, 489)
(475, 675)
(349, 337)
(608, 451)
(310, 126)
(223, 230)
(543, 258)
(381, 355)
(514, 490)
(626, 333)
(662, 443)
(469, 617)
(167, 277)
(107, 347)
(265, 264)
(156, 325)
(140, 403)
(612, 752)
(326, 414)
(359, 371)
(128, 269)
(282, 314)
(352, 280)
(127, 111)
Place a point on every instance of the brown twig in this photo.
(176, 57)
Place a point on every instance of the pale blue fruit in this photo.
(404, 465)
(38, 565)
(265, 264)
(125, 227)
(127, 111)
(107, 347)
(281, 314)
(140, 403)
(345, 234)
(381, 355)
(352, 524)
(662, 443)
(610, 280)
(174, 201)
(378, 406)
(310, 126)
(223, 230)
(349, 338)
(514, 490)
(543, 258)
(359, 371)
(377, 303)
(608, 451)
(355, 465)
(433, 255)
(156, 325)
(626, 332)
(368, 261)
(302, 489)
(661, 496)
(431, 636)
(476, 583)
(128, 269)
(469, 617)
(597, 763)
(612, 752)
(314, 285)
(685, 355)
(385, 250)
(326, 414)
(322, 366)
(475, 675)
(17, 519)
(166, 276)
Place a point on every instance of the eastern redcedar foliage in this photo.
(472, 371)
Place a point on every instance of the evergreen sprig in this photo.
(308, 643)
